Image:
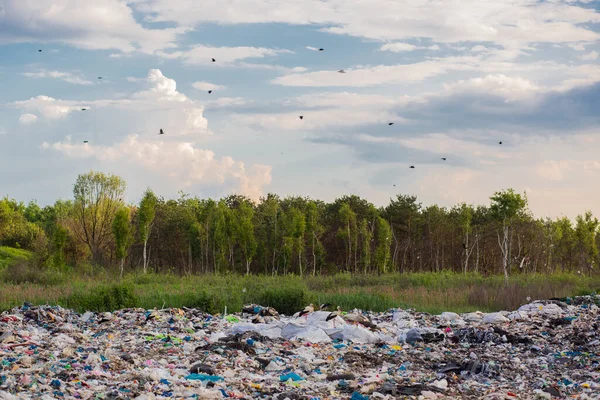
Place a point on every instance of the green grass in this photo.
(9, 255)
(429, 292)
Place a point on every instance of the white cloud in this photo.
(400, 47)
(65, 76)
(580, 46)
(200, 85)
(27, 119)
(590, 56)
(312, 48)
(203, 55)
(161, 106)
(498, 84)
(181, 162)
(89, 25)
(49, 107)
(505, 22)
(495, 62)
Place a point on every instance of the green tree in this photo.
(384, 242)
(347, 233)
(314, 230)
(586, 229)
(146, 215)
(245, 232)
(59, 241)
(506, 206)
(121, 229)
(297, 230)
(366, 237)
(97, 199)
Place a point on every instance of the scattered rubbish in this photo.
(545, 350)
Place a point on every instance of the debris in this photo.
(552, 350)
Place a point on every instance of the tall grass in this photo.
(429, 292)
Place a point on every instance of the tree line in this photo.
(298, 235)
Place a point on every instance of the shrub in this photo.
(286, 300)
(24, 272)
(103, 298)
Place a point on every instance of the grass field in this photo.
(100, 290)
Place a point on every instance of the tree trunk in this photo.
(247, 267)
(314, 255)
(145, 255)
(505, 250)
(122, 266)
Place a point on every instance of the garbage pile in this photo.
(544, 350)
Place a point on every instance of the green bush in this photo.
(286, 300)
(103, 298)
(23, 272)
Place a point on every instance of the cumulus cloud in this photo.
(27, 119)
(161, 105)
(48, 107)
(88, 25)
(200, 85)
(183, 162)
(65, 76)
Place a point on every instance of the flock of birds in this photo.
(341, 71)
(268, 314)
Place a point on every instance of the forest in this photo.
(293, 235)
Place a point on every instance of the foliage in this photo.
(295, 235)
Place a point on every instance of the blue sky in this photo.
(455, 77)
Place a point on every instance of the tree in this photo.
(366, 237)
(146, 215)
(506, 207)
(314, 230)
(59, 241)
(121, 229)
(97, 199)
(348, 220)
(297, 230)
(245, 232)
(586, 229)
(384, 241)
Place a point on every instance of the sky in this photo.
(455, 77)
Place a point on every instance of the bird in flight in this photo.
(394, 185)
(321, 49)
(341, 71)
(412, 166)
(499, 142)
(40, 50)
(85, 141)
(99, 77)
(301, 117)
(390, 123)
(210, 91)
(84, 109)
(444, 158)
(161, 132)
(213, 60)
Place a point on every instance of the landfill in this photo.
(544, 350)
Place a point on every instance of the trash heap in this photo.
(546, 350)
